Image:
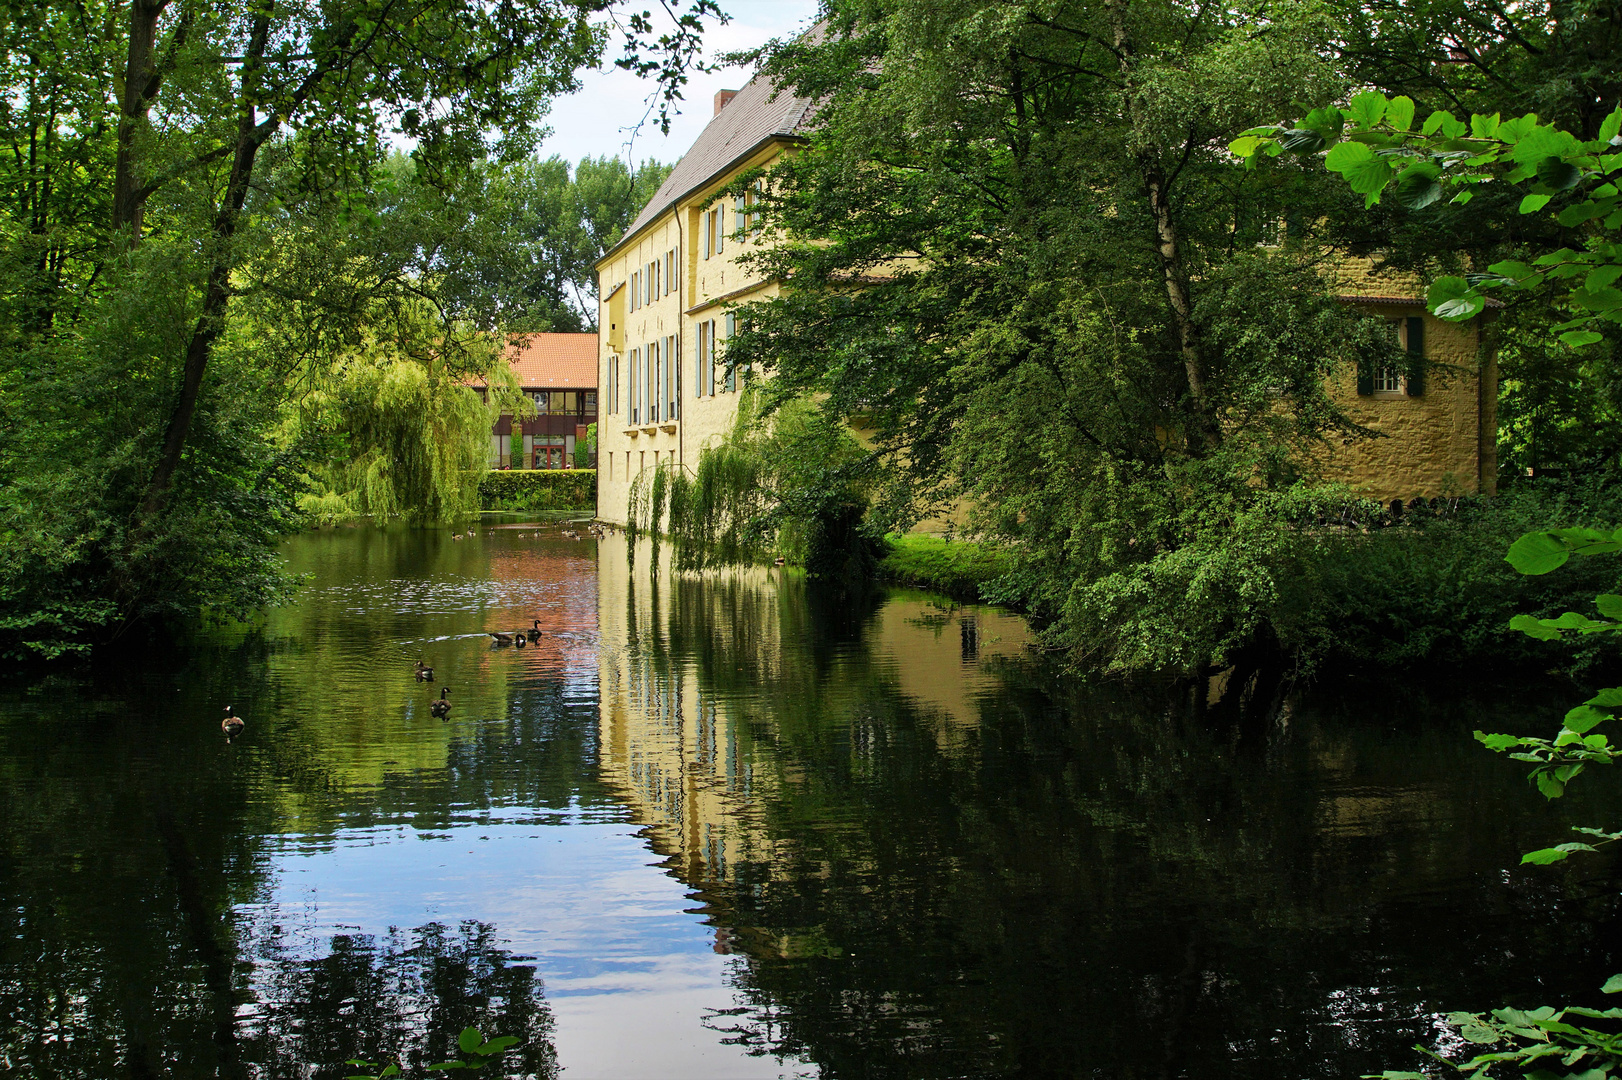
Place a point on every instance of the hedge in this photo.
(539, 489)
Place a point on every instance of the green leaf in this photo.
(1576, 214)
(1602, 276)
(1610, 697)
(1537, 553)
(1367, 108)
(1328, 121)
(1550, 785)
(1484, 127)
(496, 1046)
(1578, 338)
(1609, 605)
(1606, 299)
(1533, 203)
(1533, 627)
(1433, 122)
(1365, 172)
(469, 1040)
(1544, 857)
(1612, 125)
(1516, 271)
(1244, 146)
(1558, 173)
(1419, 185)
(1303, 141)
(1400, 113)
(1497, 741)
(446, 1065)
(1613, 985)
(1453, 299)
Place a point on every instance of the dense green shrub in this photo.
(539, 489)
(1439, 591)
(1318, 579)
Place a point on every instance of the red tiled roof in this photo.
(555, 361)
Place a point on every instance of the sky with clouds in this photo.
(598, 121)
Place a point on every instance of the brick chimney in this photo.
(721, 99)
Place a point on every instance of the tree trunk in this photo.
(1204, 432)
(135, 101)
(212, 320)
(251, 135)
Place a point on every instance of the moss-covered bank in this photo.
(959, 568)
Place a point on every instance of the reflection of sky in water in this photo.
(631, 976)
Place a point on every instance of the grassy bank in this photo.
(539, 489)
(958, 568)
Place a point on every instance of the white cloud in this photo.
(598, 121)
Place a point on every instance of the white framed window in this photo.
(1387, 379)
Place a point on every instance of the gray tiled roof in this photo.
(747, 120)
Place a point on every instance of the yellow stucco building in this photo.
(665, 394)
(1436, 422)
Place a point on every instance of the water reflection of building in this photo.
(668, 743)
(695, 676)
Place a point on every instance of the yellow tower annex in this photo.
(664, 392)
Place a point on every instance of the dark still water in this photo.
(735, 827)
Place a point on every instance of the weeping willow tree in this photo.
(395, 431)
(788, 481)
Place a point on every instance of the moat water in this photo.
(736, 826)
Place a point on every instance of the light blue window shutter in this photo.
(698, 363)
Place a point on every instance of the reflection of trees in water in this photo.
(1100, 882)
(128, 847)
(400, 997)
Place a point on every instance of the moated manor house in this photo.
(668, 286)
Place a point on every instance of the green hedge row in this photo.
(539, 489)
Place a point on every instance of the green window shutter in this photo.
(1416, 356)
(1365, 378)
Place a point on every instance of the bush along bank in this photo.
(539, 489)
(1311, 581)
(1316, 581)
